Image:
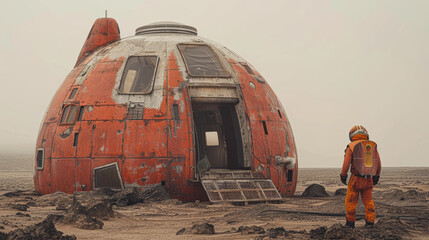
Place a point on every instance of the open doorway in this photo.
(218, 135)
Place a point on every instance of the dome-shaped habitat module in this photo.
(165, 107)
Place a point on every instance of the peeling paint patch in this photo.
(66, 132)
(178, 169)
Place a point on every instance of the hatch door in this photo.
(239, 186)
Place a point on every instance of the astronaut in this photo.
(361, 156)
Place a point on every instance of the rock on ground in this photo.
(86, 210)
(127, 197)
(55, 199)
(156, 193)
(341, 192)
(318, 233)
(43, 230)
(204, 228)
(250, 230)
(315, 190)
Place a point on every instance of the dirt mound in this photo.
(244, 230)
(315, 190)
(87, 209)
(156, 193)
(43, 230)
(318, 233)
(385, 228)
(338, 231)
(54, 199)
(19, 207)
(204, 228)
(341, 192)
(20, 193)
(405, 195)
(127, 197)
(20, 214)
(276, 233)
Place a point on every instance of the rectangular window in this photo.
(81, 111)
(201, 61)
(73, 93)
(76, 138)
(265, 127)
(289, 175)
(212, 139)
(248, 69)
(69, 114)
(40, 158)
(139, 75)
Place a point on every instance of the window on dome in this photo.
(201, 61)
(139, 75)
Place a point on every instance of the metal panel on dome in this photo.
(166, 27)
(239, 186)
(219, 94)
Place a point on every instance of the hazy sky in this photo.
(333, 64)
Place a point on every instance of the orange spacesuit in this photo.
(365, 163)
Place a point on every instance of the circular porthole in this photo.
(252, 85)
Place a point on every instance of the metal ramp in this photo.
(239, 186)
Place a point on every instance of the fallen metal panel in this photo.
(241, 190)
(235, 174)
(107, 176)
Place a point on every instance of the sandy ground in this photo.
(401, 192)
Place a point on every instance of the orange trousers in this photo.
(364, 187)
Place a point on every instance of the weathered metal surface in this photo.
(156, 142)
(250, 190)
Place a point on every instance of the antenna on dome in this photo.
(105, 13)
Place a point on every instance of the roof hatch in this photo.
(166, 27)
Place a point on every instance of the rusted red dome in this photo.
(166, 107)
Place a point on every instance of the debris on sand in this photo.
(54, 199)
(19, 207)
(132, 196)
(204, 228)
(274, 233)
(398, 194)
(86, 210)
(43, 230)
(341, 192)
(385, 228)
(318, 233)
(315, 190)
(20, 214)
(244, 230)
(20, 193)
(338, 231)
(55, 218)
(127, 197)
(155, 194)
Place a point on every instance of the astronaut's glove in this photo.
(343, 179)
(375, 179)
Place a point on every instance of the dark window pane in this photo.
(65, 112)
(72, 115)
(138, 75)
(81, 111)
(76, 138)
(248, 69)
(73, 93)
(40, 159)
(201, 61)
